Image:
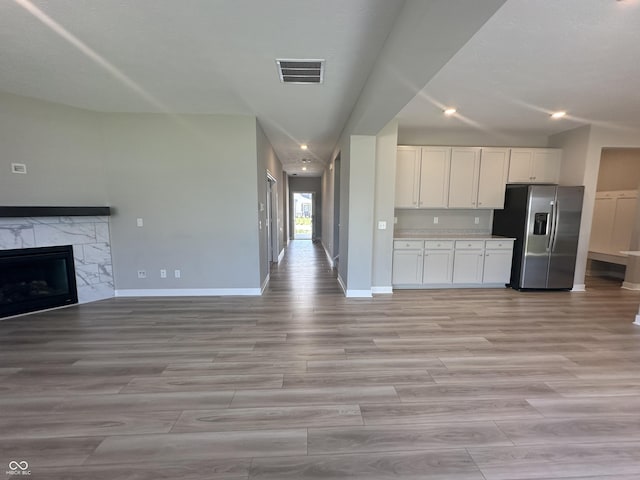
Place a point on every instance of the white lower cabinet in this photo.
(438, 263)
(407, 262)
(468, 261)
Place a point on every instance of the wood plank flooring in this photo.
(304, 383)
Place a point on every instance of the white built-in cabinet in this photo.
(612, 224)
(478, 177)
(422, 177)
(468, 177)
(441, 263)
(534, 165)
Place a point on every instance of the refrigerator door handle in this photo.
(551, 228)
(554, 226)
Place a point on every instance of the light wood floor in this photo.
(303, 383)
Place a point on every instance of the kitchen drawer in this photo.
(499, 244)
(438, 244)
(469, 244)
(408, 244)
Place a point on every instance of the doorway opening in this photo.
(303, 213)
(272, 221)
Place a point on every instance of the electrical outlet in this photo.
(163, 273)
(477, 220)
(382, 225)
(142, 274)
(176, 273)
(139, 222)
(435, 220)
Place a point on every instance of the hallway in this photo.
(303, 383)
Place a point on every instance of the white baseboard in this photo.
(265, 283)
(381, 290)
(326, 252)
(637, 322)
(580, 287)
(341, 283)
(630, 286)
(281, 256)
(188, 292)
(358, 294)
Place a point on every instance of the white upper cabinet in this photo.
(494, 167)
(478, 177)
(407, 177)
(434, 177)
(422, 177)
(463, 181)
(534, 165)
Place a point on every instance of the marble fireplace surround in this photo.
(86, 228)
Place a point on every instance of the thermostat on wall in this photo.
(19, 168)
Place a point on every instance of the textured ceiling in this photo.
(218, 56)
(534, 57)
(199, 56)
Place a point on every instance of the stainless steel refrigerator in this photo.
(545, 221)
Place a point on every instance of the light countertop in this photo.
(448, 236)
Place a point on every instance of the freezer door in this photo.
(539, 224)
(564, 245)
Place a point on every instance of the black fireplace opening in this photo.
(33, 279)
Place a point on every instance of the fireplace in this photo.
(34, 279)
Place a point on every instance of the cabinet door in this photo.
(623, 223)
(602, 224)
(497, 266)
(463, 179)
(520, 165)
(545, 165)
(494, 165)
(467, 266)
(434, 177)
(438, 266)
(407, 177)
(407, 267)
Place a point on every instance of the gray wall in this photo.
(386, 147)
(268, 162)
(361, 194)
(62, 148)
(192, 179)
(327, 186)
(619, 169)
(582, 151)
(469, 138)
(194, 185)
(302, 185)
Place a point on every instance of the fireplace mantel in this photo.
(26, 211)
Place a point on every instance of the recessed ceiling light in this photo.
(304, 168)
(449, 111)
(303, 146)
(558, 114)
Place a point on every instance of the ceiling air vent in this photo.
(300, 71)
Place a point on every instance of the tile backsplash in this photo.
(450, 221)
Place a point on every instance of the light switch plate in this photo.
(19, 168)
(435, 220)
(139, 222)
